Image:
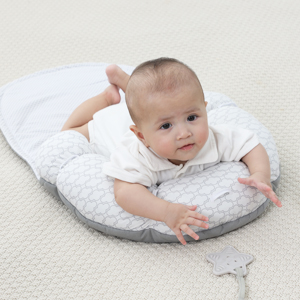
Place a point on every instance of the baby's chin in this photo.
(177, 162)
(182, 161)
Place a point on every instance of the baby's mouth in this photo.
(187, 147)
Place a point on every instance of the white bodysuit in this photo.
(131, 161)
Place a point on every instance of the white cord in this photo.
(241, 281)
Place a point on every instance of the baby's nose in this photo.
(183, 133)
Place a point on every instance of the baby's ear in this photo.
(206, 103)
(138, 134)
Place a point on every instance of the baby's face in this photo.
(175, 126)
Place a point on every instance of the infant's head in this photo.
(166, 102)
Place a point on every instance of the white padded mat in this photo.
(248, 50)
(35, 107)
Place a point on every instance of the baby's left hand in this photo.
(259, 181)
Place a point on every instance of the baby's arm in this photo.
(137, 200)
(258, 163)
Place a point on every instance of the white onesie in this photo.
(131, 161)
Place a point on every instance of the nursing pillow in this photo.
(65, 164)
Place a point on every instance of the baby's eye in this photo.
(192, 118)
(166, 126)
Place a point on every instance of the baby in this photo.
(169, 137)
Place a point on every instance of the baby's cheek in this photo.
(202, 135)
(164, 148)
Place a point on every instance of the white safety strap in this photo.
(241, 281)
(218, 194)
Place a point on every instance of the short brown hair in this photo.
(162, 75)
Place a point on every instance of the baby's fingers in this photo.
(180, 236)
(191, 207)
(269, 193)
(196, 222)
(185, 228)
(264, 188)
(247, 181)
(195, 214)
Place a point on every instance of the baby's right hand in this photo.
(179, 216)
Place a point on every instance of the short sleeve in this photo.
(128, 165)
(234, 143)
